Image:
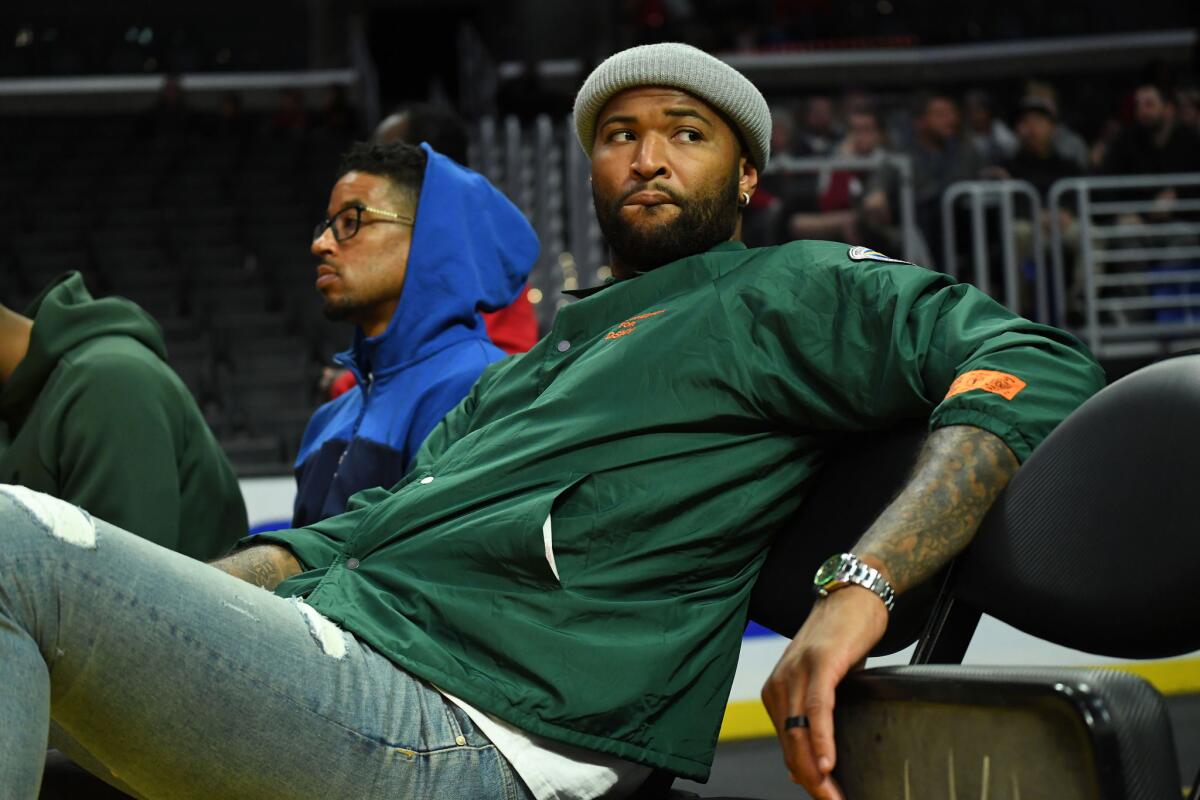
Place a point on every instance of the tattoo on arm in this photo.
(959, 474)
(265, 565)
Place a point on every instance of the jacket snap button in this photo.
(564, 346)
(352, 563)
(428, 479)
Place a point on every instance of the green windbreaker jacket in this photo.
(575, 547)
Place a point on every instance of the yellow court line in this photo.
(747, 719)
(1178, 676)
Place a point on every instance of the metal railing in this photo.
(912, 244)
(1001, 195)
(542, 170)
(1130, 248)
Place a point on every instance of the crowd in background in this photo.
(953, 136)
(1036, 132)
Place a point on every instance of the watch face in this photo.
(827, 571)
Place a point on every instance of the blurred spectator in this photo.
(940, 157)
(1155, 143)
(783, 130)
(1109, 131)
(1067, 143)
(231, 122)
(337, 117)
(818, 132)
(993, 140)
(856, 101)
(168, 117)
(443, 129)
(855, 204)
(290, 119)
(1187, 104)
(95, 416)
(1038, 162)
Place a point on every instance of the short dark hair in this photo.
(402, 164)
(1164, 91)
(441, 127)
(867, 111)
(923, 99)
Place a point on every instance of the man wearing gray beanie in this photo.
(677, 139)
(550, 603)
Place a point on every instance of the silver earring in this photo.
(745, 199)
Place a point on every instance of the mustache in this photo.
(651, 187)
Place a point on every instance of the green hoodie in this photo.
(95, 416)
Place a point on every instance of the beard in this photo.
(340, 310)
(702, 222)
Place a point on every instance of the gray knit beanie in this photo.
(679, 66)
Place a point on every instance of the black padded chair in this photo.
(1094, 546)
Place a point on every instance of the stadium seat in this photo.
(938, 731)
(1092, 546)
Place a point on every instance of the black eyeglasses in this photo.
(345, 223)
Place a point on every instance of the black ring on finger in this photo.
(798, 721)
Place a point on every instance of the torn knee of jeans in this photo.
(327, 634)
(56, 517)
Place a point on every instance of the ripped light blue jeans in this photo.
(170, 679)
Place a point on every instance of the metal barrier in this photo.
(1119, 243)
(999, 194)
(543, 171)
(913, 248)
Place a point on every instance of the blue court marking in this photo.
(753, 630)
(270, 525)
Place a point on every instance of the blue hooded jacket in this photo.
(471, 251)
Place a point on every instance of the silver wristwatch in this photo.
(845, 569)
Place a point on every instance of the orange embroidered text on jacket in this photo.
(630, 325)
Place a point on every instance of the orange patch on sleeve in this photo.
(1001, 383)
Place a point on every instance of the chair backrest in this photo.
(860, 476)
(1095, 545)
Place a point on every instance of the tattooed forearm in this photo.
(265, 565)
(959, 473)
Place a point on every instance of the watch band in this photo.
(847, 569)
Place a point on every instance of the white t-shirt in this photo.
(554, 770)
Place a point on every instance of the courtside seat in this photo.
(1092, 546)
(1004, 732)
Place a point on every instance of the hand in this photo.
(875, 207)
(1164, 203)
(264, 565)
(836, 638)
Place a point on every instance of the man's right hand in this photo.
(834, 640)
(265, 565)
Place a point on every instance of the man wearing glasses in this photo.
(414, 247)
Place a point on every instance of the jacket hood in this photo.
(65, 315)
(471, 251)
